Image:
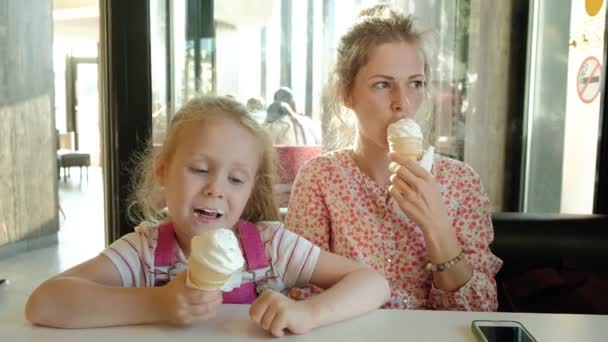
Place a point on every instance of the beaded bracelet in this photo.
(446, 265)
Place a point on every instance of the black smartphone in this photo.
(501, 331)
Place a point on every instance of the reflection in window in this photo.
(250, 49)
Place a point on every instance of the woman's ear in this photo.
(346, 97)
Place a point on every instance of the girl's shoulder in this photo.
(268, 229)
(145, 233)
(147, 227)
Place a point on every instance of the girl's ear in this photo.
(160, 170)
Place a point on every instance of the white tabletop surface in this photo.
(28, 270)
(232, 324)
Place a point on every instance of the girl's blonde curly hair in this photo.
(146, 195)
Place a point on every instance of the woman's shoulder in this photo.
(452, 168)
(327, 162)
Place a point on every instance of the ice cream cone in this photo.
(405, 138)
(215, 255)
(205, 278)
(408, 147)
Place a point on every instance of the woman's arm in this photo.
(468, 284)
(474, 231)
(308, 214)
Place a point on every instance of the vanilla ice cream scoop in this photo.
(404, 128)
(214, 256)
(405, 137)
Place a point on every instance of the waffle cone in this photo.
(409, 147)
(205, 278)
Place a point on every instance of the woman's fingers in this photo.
(416, 169)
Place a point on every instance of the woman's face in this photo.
(388, 88)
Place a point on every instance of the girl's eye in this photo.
(381, 85)
(199, 170)
(235, 180)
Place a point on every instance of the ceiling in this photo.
(82, 13)
(67, 4)
(75, 10)
(76, 20)
(244, 12)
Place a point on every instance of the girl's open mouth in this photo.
(210, 214)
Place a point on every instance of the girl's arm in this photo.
(352, 289)
(89, 295)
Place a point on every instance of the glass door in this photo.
(566, 45)
(86, 107)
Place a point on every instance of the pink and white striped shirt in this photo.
(292, 257)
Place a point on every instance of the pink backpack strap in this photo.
(163, 254)
(252, 245)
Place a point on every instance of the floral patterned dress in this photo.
(342, 210)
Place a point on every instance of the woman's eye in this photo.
(417, 84)
(381, 85)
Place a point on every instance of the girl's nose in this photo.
(214, 189)
(214, 194)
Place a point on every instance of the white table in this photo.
(232, 324)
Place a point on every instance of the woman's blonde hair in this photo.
(145, 201)
(375, 26)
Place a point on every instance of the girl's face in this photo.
(388, 88)
(210, 175)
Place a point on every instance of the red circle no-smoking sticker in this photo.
(588, 79)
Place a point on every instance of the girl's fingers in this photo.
(268, 318)
(209, 314)
(277, 328)
(258, 308)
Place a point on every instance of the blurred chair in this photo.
(67, 160)
(67, 157)
(291, 159)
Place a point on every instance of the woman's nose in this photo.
(399, 101)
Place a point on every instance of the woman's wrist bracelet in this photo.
(446, 265)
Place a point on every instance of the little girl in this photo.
(213, 171)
